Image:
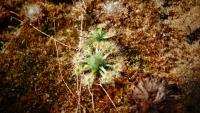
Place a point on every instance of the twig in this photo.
(79, 93)
(107, 95)
(61, 71)
(92, 98)
(79, 86)
(60, 67)
(51, 37)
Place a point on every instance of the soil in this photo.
(158, 39)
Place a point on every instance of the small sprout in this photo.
(95, 44)
(77, 70)
(108, 76)
(98, 35)
(87, 51)
(114, 49)
(88, 79)
(106, 46)
(117, 67)
(77, 59)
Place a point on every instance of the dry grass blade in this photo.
(51, 37)
(93, 107)
(107, 95)
(60, 71)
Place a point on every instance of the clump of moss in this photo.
(33, 11)
(114, 9)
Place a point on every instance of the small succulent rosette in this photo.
(97, 58)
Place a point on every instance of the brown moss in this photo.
(153, 52)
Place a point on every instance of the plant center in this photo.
(95, 62)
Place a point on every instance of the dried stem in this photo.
(92, 98)
(107, 95)
(79, 82)
(51, 37)
(59, 67)
(78, 92)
